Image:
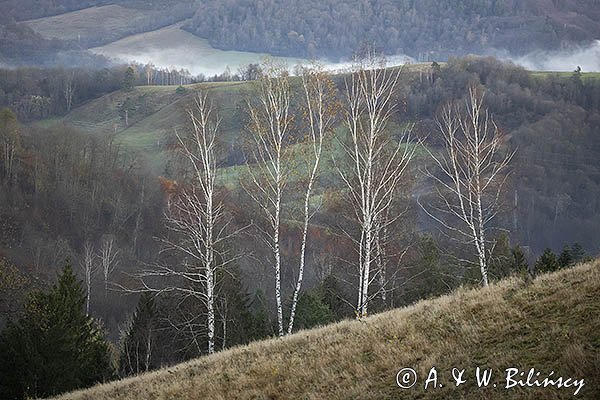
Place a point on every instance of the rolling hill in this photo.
(549, 324)
(154, 114)
(530, 106)
(117, 21)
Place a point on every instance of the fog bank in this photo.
(173, 48)
(588, 58)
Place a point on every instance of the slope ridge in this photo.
(550, 324)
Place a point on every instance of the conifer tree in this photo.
(578, 253)
(547, 262)
(136, 348)
(54, 347)
(129, 79)
(313, 310)
(519, 260)
(565, 259)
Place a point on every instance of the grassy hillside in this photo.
(157, 111)
(154, 114)
(117, 21)
(72, 25)
(171, 45)
(550, 324)
(586, 76)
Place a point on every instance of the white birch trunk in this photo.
(378, 164)
(108, 259)
(89, 268)
(197, 218)
(270, 122)
(320, 103)
(470, 176)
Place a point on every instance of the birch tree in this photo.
(320, 111)
(10, 143)
(378, 160)
(197, 219)
(270, 126)
(88, 265)
(69, 89)
(149, 74)
(108, 256)
(469, 176)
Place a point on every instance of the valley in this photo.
(171, 47)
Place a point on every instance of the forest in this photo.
(283, 257)
(424, 30)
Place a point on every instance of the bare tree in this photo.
(10, 143)
(381, 256)
(139, 217)
(378, 160)
(320, 111)
(270, 125)
(108, 258)
(470, 173)
(149, 74)
(197, 219)
(88, 265)
(69, 89)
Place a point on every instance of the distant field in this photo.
(97, 24)
(173, 47)
(584, 75)
(156, 113)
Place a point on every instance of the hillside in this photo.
(549, 324)
(56, 32)
(421, 29)
(551, 127)
(21, 10)
(172, 45)
(154, 113)
(117, 22)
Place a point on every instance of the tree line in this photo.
(39, 93)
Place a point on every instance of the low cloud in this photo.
(588, 58)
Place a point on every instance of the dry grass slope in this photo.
(550, 323)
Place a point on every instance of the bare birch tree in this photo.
(378, 160)
(381, 257)
(149, 74)
(320, 111)
(108, 258)
(469, 176)
(270, 125)
(88, 265)
(10, 143)
(69, 89)
(197, 219)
